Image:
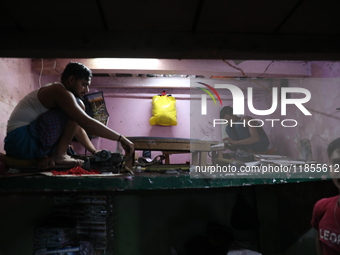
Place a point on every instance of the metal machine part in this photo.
(105, 161)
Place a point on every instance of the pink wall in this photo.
(129, 115)
(132, 109)
(202, 126)
(130, 112)
(16, 80)
(320, 128)
(323, 126)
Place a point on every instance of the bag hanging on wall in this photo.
(163, 110)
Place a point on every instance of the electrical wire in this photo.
(42, 68)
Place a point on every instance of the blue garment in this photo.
(38, 139)
(239, 131)
(19, 143)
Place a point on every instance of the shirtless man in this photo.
(43, 123)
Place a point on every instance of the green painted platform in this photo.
(141, 181)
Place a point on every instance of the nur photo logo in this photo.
(280, 100)
(204, 97)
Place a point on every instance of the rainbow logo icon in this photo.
(204, 97)
(209, 93)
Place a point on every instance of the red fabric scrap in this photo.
(76, 171)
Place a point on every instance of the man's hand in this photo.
(229, 144)
(229, 141)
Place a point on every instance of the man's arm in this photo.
(82, 136)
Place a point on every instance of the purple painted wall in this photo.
(130, 114)
(132, 109)
(202, 127)
(323, 126)
(16, 80)
(320, 128)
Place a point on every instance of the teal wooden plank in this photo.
(143, 181)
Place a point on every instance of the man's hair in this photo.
(226, 110)
(334, 145)
(78, 70)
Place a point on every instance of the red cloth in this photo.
(75, 171)
(326, 219)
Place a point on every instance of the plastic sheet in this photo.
(164, 111)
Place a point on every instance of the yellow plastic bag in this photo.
(163, 111)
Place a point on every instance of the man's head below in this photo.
(333, 151)
(76, 78)
(227, 113)
(78, 70)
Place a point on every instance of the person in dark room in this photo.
(252, 139)
(326, 212)
(44, 122)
